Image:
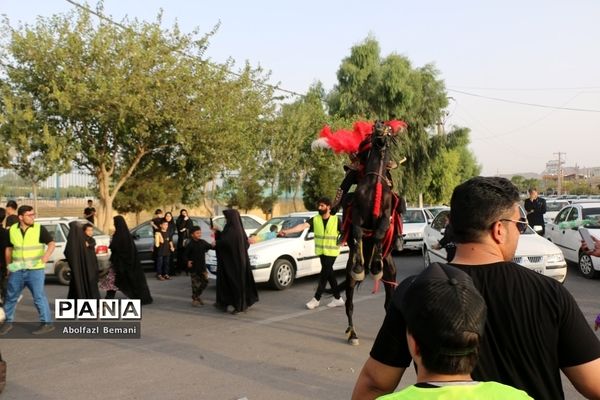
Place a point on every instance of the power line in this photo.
(523, 103)
(580, 88)
(105, 18)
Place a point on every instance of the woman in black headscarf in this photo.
(80, 252)
(130, 278)
(235, 282)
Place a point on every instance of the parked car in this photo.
(414, 221)
(552, 209)
(250, 222)
(281, 260)
(563, 232)
(533, 251)
(143, 237)
(434, 210)
(57, 264)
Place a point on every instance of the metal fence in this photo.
(66, 190)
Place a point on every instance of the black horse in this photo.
(372, 211)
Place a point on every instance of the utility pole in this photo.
(559, 177)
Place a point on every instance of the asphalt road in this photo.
(277, 350)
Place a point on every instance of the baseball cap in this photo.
(441, 305)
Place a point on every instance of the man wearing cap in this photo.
(445, 321)
(534, 327)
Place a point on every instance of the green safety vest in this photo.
(27, 250)
(326, 239)
(481, 390)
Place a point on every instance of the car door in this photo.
(60, 241)
(432, 235)
(570, 238)
(553, 228)
(563, 233)
(143, 237)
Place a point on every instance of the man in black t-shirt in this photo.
(535, 207)
(534, 327)
(89, 212)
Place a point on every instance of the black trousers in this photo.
(325, 276)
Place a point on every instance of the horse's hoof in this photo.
(358, 277)
(377, 276)
(351, 336)
(357, 272)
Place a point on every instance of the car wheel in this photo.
(586, 266)
(63, 272)
(426, 258)
(282, 274)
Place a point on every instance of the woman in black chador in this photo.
(129, 276)
(80, 252)
(235, 282)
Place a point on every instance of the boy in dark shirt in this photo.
(195, 259)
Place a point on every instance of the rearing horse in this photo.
(374, 223)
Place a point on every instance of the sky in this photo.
(536, 52)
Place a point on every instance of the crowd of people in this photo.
(478, 327)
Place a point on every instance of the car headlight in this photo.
(555, 258)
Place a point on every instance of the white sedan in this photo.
(280, 260)
(250, 222)
(563, 232)
(414, 221)
(533, 251)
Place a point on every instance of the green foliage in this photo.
(374, 87)
(323, 179)
(109, 97)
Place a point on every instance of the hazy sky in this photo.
(542, 52)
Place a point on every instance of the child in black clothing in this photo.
(195, 259)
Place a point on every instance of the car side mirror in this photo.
(443, 230)
(538, 228)
(310, 236)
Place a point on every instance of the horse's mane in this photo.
(345, 141)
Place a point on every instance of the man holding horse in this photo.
(327, 228)
(534, 327)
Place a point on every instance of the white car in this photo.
(533, 251)
(281, 260)
(250, 222)
(59, 229)
(563, 232)
(552, 209)
(414, 221)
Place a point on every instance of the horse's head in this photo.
(382, 135)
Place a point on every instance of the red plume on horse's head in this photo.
(344, 141)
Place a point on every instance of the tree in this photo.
(322, 180)
(374, 87)
(32, 148)
(122, 95)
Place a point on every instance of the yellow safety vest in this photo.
(27, 250)
(326, 238)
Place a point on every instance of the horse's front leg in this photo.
(379, 235)
(351, 335)
(357, 271)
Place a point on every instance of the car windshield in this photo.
(97, 232)
(591, 217)
(556, 205)
(413, 217)
(282, 223)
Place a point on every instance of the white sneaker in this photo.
(336, 303)
(312, 304)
